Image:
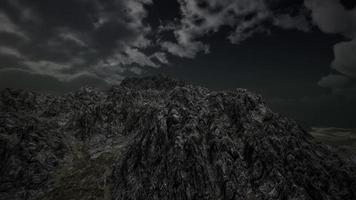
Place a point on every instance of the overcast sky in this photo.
(299, 54)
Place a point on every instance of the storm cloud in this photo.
(108, 40)
(68, 39)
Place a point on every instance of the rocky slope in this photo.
(157, 138)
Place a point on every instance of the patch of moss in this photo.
(84, 178)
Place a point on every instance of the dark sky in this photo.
(299, 54)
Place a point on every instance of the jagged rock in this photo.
(158, 138)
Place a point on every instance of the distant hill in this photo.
(342, 139)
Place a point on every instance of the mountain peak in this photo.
(159, 138)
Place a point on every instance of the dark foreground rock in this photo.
(157, 138)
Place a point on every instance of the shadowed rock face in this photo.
(157, 138)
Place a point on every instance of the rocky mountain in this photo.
(157, 138)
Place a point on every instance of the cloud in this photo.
(334, 81)
(136, 70)
(203, 17)
(299, 22)
(187, 49)
(200, 18)
(110, 38)
(7, 51)
(97, 38)
(247, 28)
(53, 69)
(333, 18)
(161, 57)
(26, 14)
(106, 39)
(345, 58)
(32, 81)
(133, 54)
(8, 26)
(72, 37)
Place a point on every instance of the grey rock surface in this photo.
(158, 138)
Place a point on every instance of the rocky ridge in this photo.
(158, 138)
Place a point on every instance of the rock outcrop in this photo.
(157, 138)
